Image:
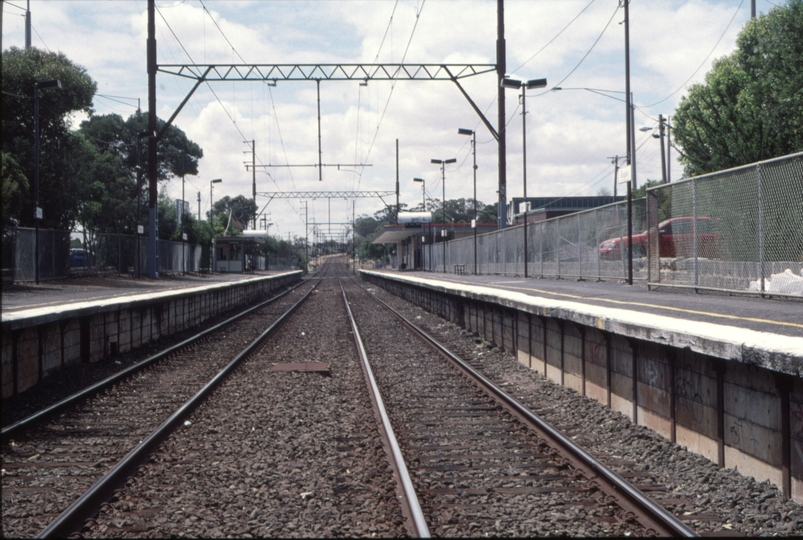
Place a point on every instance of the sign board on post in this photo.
(182, 207)
(625, 174)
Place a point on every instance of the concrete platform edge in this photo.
(775, 352)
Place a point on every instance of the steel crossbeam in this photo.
(325, 72)
(326, 194)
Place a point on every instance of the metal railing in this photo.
(739, 230)
(100, 254)
(735, 230)
(567, 246)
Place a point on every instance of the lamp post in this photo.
(212, 224)
(423, 192)
(510, 82)
(663, 128)
(44, 85)
(631, 156)
(424, 203)
(464, 131)
(442, 163)
(140, 136)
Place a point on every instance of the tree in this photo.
(750, 107)
(243, 210)
(177, 155)
(61, 174)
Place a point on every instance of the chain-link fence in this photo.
(735, 230)
(60, 257)
(589, 244)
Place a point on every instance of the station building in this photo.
(416, 231)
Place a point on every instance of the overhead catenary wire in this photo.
(392, 87)
(682, 86)
(593, 45)
(225, 110)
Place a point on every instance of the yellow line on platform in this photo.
(642, 304)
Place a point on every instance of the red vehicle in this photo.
(675, 239)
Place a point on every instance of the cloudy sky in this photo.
(575, 44)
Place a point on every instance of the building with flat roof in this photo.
(415, 232)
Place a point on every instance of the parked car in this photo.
(675, 239)
(81, 257)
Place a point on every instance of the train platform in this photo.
(782, 316)
(88, 319)
(21, 297)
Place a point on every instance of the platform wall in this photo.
(38, 346)
(737, 415)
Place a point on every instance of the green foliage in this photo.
(242, 209)
(15, 186)
(176, 154)
(61, 175)
(751, 105)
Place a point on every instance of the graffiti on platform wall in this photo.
(688, 387)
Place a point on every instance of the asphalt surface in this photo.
(23, 296)
(770, 315)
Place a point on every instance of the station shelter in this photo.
(238, 254)
(415, 231)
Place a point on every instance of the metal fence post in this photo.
(596, 244)
(694, 227)
(541, 249)
(761, 275)
(579, 248)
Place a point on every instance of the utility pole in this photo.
(153, 194)
(668, 151)
(398, 208)
(199, 206)
(663, 152)
(615, 161)
(752, 9)
(320, 152)
(253, 145)
(501, 68)
(28, 26)
(306, 236)
(631, 147)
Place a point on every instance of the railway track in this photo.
(54, 456)
(483, 463)
(288, 444)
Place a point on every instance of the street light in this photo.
(663, 127)
(429, 225)
(44, 85)
(423, 192)
(509, 82)
(140, 136)
(442, 163)
(211, 224)
(631, 160)
(464, 131)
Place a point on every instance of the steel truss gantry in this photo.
(325, 72)
(272, 73)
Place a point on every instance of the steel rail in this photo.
(410, 500)
(60, 406)
(631, 498)
(86, 506)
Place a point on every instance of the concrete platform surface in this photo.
(28, 296)
(775, 316)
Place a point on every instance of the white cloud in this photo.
(570, 133)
